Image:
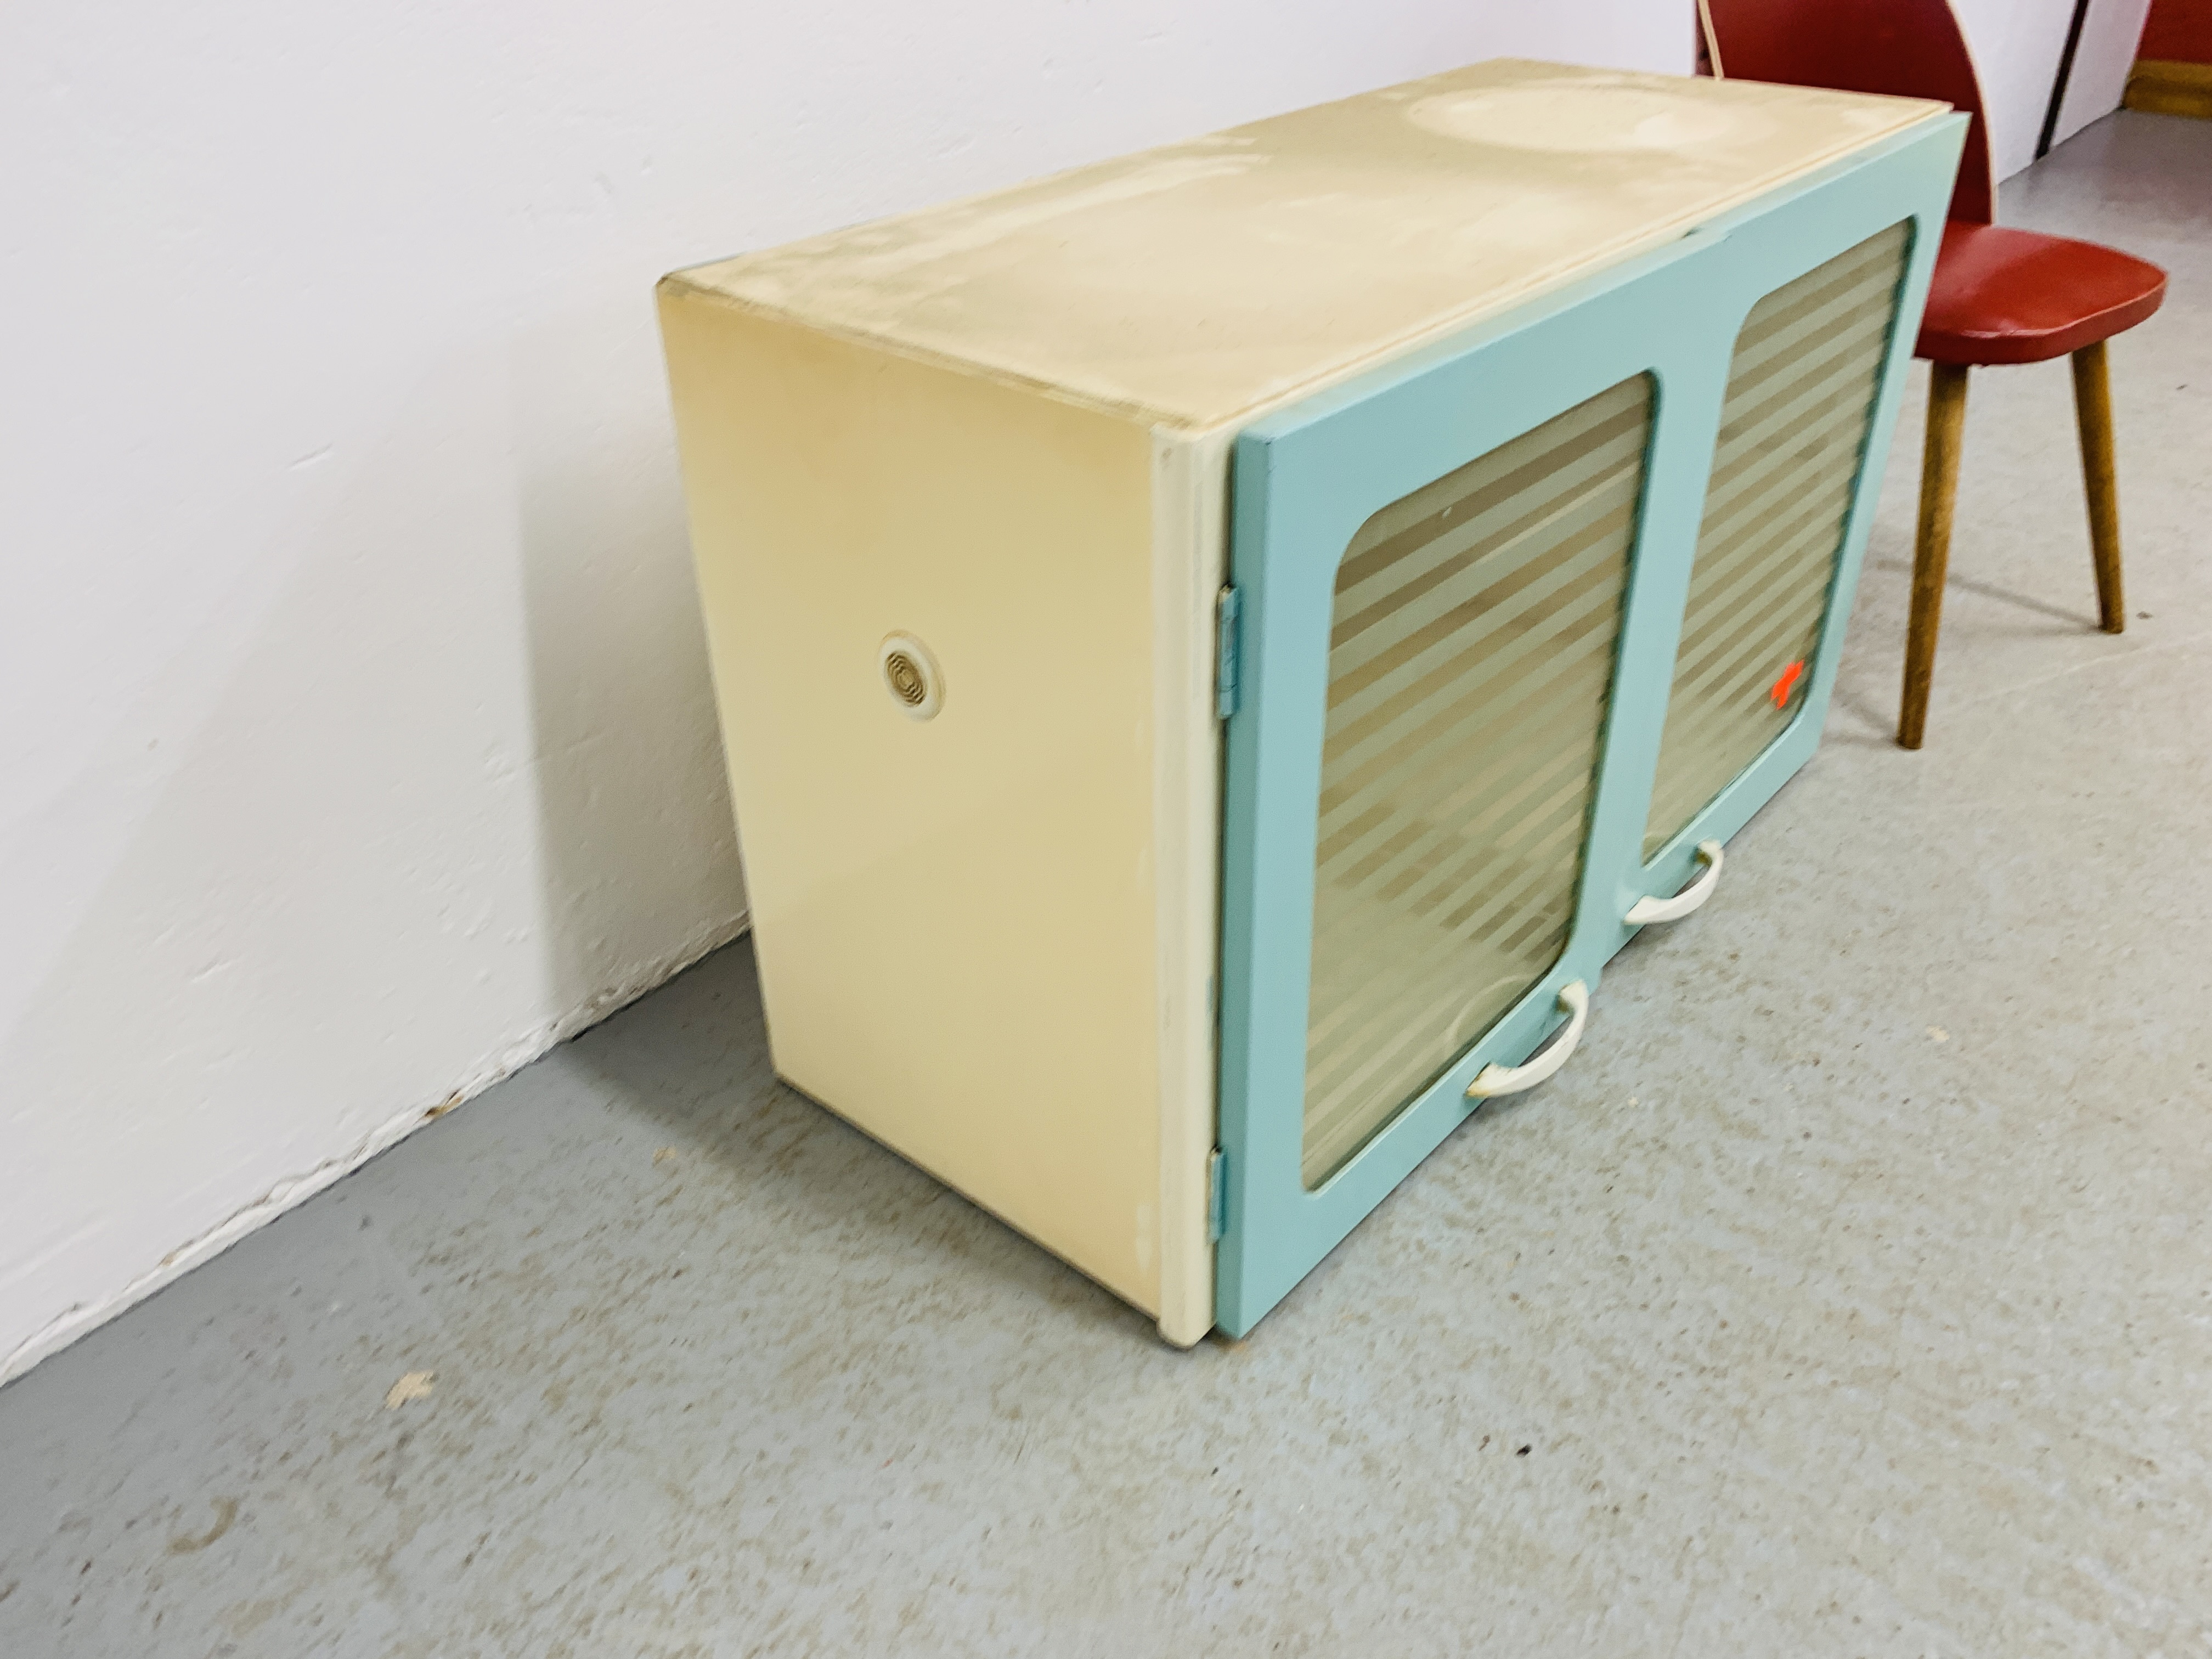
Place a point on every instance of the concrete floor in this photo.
(1850, 1293)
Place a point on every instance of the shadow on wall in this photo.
(451, 789)
(613, 628)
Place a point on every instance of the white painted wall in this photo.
(2101, 62)
(2016, 46)
(358, 744)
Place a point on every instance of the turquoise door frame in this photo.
(1304, 480)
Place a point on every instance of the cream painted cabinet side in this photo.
(957, 920)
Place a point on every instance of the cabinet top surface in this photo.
(1199, 282)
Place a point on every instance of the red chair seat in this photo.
(2017, 296)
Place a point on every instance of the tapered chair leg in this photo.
(1931, 554)
(2093, 407)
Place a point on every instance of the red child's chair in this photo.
(1999, 295)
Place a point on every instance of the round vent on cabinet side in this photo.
(911, 675)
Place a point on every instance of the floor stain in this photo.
(184, 1543)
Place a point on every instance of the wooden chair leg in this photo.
(2093, 407)
(1931, 554)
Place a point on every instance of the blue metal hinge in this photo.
(1228, 642)
(1217, 1194)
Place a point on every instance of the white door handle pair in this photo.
(1493, 1080)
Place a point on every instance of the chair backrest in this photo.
(1913, 48)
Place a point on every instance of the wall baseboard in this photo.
(2157, 86)
(74, 1322)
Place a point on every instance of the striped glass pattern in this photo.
(1471, 654)
(1800, 395)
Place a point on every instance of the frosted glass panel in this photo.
(1471, 656)
(1800, 395)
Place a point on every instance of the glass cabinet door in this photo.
(1804, 382)
(1473, 634)
(1437, 572)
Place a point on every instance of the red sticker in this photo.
(1787, 684)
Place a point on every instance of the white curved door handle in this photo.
(1492, 1081)
(1674, 909)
